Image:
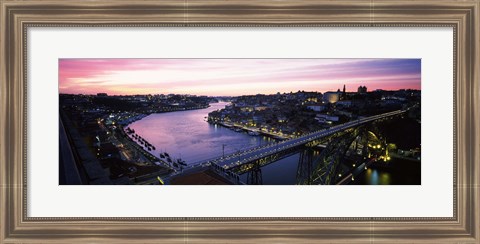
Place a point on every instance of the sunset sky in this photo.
(230, 77)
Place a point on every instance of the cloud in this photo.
(233, 76)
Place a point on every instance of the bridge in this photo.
(252, 158)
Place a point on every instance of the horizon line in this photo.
(152, 94)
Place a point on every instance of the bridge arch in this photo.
(329, 167)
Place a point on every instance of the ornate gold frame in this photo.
(17, 16)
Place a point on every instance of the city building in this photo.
(362, 89)
(345, 103)
(325, 118)
(332, 97)
(317, 107)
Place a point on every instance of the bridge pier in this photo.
(304, 168)
(254, 176)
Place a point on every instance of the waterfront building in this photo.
(332, 97)
(260, 108)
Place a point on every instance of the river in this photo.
(187, 135)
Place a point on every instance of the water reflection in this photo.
(186, 135)
(374, 177)
(385, 178)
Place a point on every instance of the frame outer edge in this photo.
(11, 149)
(3, 109)
(468, 181)
(476, 118)
(4, 129)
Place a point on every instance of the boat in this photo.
(237, 129)
(253, 133)
(182, 162)
(226, 125)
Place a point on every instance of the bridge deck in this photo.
(252, 154)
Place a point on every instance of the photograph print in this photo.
(239, 121)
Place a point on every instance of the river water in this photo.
(187, 135)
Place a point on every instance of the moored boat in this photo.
(182, 162)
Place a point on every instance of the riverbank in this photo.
(149, 149)
(252, 131)
(135, 117)
(396, 155)
(397, 171)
